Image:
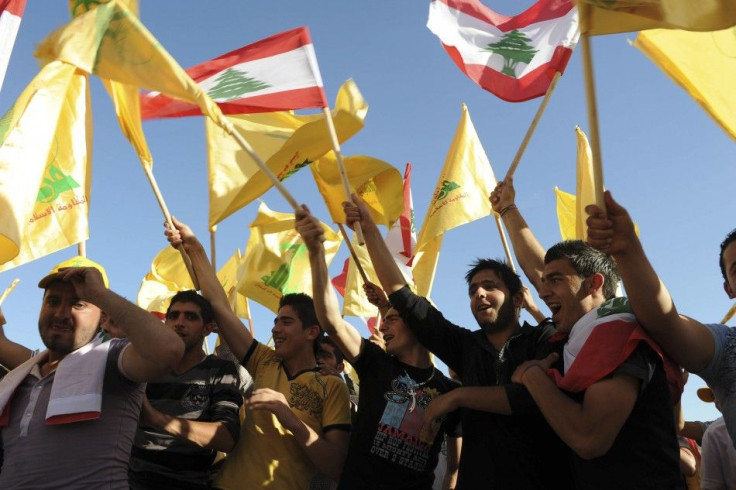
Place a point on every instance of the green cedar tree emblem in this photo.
(277, 279)
(515, 48)
(447, 187)
(233, 84)
(54, 184)
(82, 6)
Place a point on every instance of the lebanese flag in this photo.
(402, 235)
(11, 12)
(603, 339)
(514, 58)
(279, 73)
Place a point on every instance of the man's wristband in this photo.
(507, 209)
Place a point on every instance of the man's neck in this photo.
(416, 356)
(51, 363)
(300, 362)
(499, 338)
(191, 358)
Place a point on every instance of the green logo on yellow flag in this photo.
(515, 48)
(54, 184)
(233, 84)
(447, 187)
(294, 169)
(277, 279)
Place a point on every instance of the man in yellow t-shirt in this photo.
(298, 421)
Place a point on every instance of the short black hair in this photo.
(191, 296)
(501, 268)
(304, 307)
(587, 261)
(327, 340)
(731, 237)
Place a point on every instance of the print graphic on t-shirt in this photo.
(401, 437)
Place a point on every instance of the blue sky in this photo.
(663, 157)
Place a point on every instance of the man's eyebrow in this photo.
(552, 275)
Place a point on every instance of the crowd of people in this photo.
(585, 399)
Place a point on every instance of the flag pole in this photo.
(505, 243)
(595, 142)
(341, 167)
(533, 125)
(352, 253)
(167, 215)
(9, 290)
(229, 129)
(82, 248)
(213, 254)
(729, 314)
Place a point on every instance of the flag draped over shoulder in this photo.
(44, 166)
(516, 57)
(278, 73)
(375, 181)
(11, 12)
(276, 261)
(611, 16)
(110, 42)
(461, 196)
(285, 141)
(703, 63)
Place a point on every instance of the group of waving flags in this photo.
(255, 141)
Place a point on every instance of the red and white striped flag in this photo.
(11, 12)
(402, 235)
(514, 58)
(278, 73)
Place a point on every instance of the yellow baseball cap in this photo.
(77, 261)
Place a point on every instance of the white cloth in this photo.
(718, 464)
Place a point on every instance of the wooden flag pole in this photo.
(224, 124)
(729, 314)
(533, 125)
(505, 243)
(167, 215)
(82, 248)
(9, 290)
(595, 142)
(341, 167)
(213, 254)
(352, 253)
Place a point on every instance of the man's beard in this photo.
(505, 318)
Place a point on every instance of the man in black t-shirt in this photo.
(390, 446)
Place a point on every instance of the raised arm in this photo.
(154, 351)
(687, 341)
(236, 334)
(529, 252)
(326, 305)
(388, 272)
(12, 354)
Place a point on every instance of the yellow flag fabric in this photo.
(110, 41)
(703, 63)
(566, 214)
(461, 196)
(44, 166)
(228, 276)
(276, 260)
(286, 142)
(586, 184)
(375, 181)
(355, 302)
(611, 16)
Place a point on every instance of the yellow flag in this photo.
(286, 142)
(110, 42)
(461, 196)
(228, 276)
(375, 181)
(611, 16)
(355, 302)
(168, 276)
(703, 63)
(566, 214)
(276, 260)
(44, 166)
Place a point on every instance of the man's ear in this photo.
(312, 332)
(340, 367)
(596, 282)
(103, 318)
(208, 328)
(729, 290)
(519, 299)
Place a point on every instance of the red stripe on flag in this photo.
(15, 7)
(541, 11)
(533, 84)
(405, 218)
(340, 281)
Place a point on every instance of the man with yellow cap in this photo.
(69, 414)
